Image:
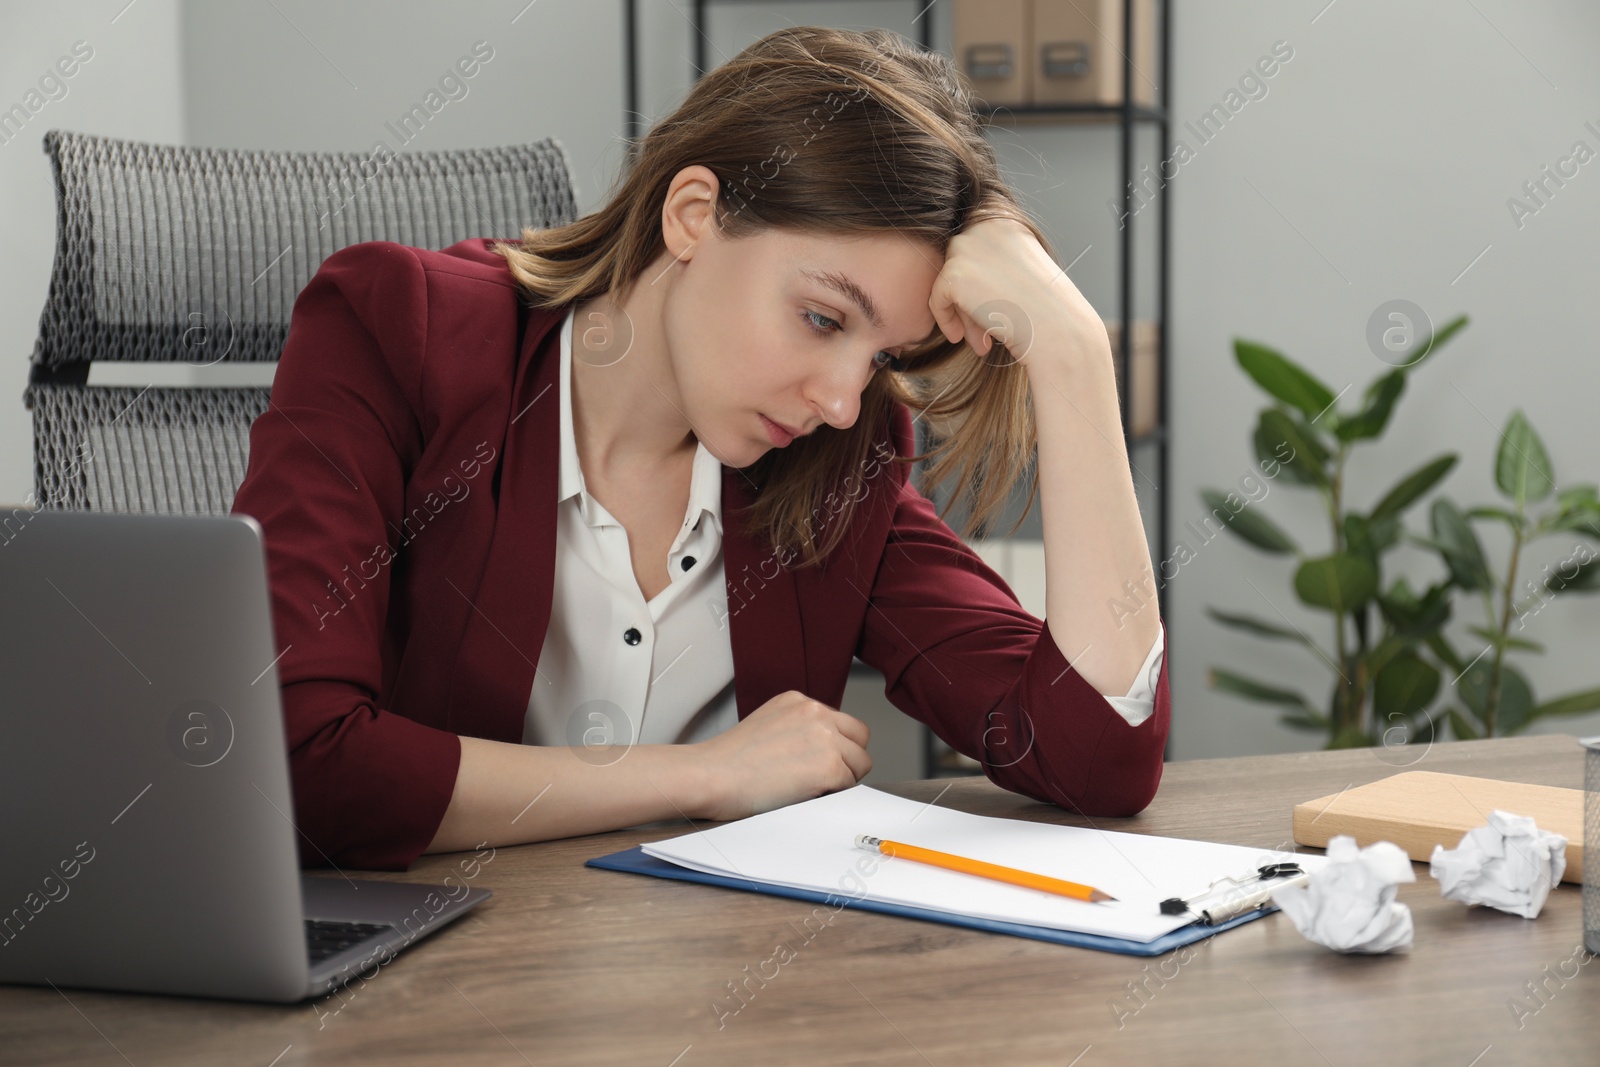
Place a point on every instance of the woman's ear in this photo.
(688, 213)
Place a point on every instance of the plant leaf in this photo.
(1522, 467)
(1516, 701)
(1350, 737)
(1305, 721)
(1374, 416)
(1580, 519)
(1516, 695)
(1358, 538)
(1496, 638)
(1249, 624)
(1571, 704)
(1368, 539)
(1282, 378)
(1408, 489)
(1415, 617)
(1339, 583)
(1386, 650)
(1400, 593)
(1240, 686)
(1585, 578)
(1438, 338)
(1462, 728)
(1278, 435)
(1249, 523)
(1459, 546)
(1442, 648)
(1385, 532)
(1404, 686)
(1507, 517)
(1578, 496)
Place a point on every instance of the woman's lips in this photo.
(775, 433)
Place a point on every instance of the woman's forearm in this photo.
(1095, 552)
(509, 794)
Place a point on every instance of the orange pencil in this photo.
(953, 862)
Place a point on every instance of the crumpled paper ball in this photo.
(1349, 904)
(1508, 863)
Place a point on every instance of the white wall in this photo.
(327, 77)
(1378, 166)
(131, 85)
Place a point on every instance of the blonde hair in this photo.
(889, 143)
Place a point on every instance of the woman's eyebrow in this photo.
(848, 289)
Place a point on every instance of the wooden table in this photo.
(569, 964)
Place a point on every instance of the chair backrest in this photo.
(174, 254)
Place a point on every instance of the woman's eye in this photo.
(811, 317)
(880, 361)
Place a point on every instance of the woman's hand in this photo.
(999, 285)
(791, 748)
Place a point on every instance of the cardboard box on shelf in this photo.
(1078, 52)
(992, 47)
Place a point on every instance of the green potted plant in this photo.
(1495, 697)
(1382, 679)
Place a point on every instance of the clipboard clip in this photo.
(1228, 897)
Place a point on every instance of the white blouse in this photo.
(616, 669)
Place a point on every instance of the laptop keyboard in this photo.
(325, 937)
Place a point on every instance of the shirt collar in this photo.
(705, 483)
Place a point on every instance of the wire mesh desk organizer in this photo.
(175, 254)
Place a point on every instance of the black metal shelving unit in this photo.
(1128, 116)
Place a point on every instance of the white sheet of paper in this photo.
(811, 845)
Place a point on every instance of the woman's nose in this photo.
(838, 396)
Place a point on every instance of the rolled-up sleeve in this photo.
(326, 479)
(959, 653)
(1139, 703)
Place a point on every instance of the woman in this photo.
(583, 531)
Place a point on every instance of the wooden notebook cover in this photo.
(1419, 809)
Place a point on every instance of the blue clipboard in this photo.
(636, 861)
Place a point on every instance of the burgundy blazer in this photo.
(405, 475)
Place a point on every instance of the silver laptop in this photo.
(146, 833)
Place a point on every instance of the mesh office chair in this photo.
(175, 254)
